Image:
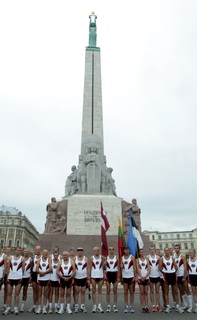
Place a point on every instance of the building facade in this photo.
(186, 239)
(16, 229)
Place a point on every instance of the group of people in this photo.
(52, 275)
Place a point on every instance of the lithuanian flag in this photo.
(121, 240)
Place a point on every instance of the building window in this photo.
(5, 221)
(3, 231)
(178, 236)
(18, 243)
(166, 245)
(165, 236)
(12, 221)
(10, 243)
(2, 242)
(192, 245)
(172, 236)
(160, 247)
(19, 222)
(159, 237)
(185, 245)
(190, 235)
(153, 237)
(18, 232)
(11, 231)
(184, 235)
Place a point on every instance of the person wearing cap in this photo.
(80, 279)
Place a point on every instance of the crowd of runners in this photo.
(58, 279)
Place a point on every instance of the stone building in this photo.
(16, 229)
(186, 239)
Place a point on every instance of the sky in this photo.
(149, 68)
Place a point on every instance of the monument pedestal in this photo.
(84, 212)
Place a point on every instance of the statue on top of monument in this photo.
(56, 219)
(60, 226)
(93, 171)
(92, 30)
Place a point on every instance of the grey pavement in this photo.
(89, 315)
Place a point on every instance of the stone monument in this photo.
(77, 215)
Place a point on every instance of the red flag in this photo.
(104, 227)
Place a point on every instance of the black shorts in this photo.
(128, 280)
(66, 284)
(43, 283)
(161, 281)
(170, 278)
(144, 282)
(25, 281)
(97, 279)
(34, 277)
(5, 279)
(14, 282)
(111, 277)
(54, 284)
(80, 282)
(192, 278)
(179, 280)
(1, 281)
(155, 280)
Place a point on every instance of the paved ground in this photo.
(138, 315)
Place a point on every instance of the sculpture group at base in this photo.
(92, 175)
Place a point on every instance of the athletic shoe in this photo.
(38, 310)
(83, 309)
(154, 309)
(126, 309)
(143, 310)
(44, 311)
(115, 309)
(179, 309)
(68, 310)
(94, 309)
(61, 311)
(33, 309)
(16, 312)
(100, 309)
(50, 310)
(195, 310)
(76, 309)
(167, 310)
(189, 310)
(7, 311)
(56, 310)
(108, 309)
(159, 309)
(22, 309)
(146, 310)
(132, 310)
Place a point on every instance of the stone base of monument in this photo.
(88, 242)
(83, 214)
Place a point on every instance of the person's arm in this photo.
(41, 273)
(174, 263)
(185, 267)
(23, 265)
(89, 268)
(160, 264)
(5, 258)
(88, 279)
(134, 267)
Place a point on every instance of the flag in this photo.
(134, 241)
(104, 227)
(121, 240)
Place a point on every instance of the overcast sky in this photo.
(149, 84)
